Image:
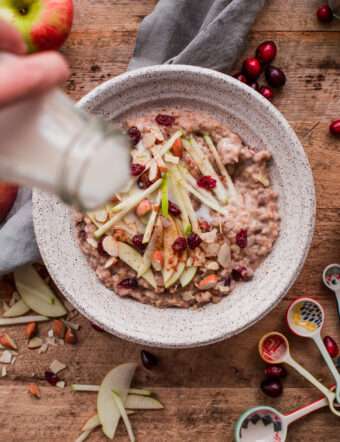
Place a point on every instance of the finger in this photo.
(11, 39)
(30, 75)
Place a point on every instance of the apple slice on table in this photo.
(188, 275)
(36, 293)
(171, 259)
(18, 309)
(137, 402)
(155, 243)
(119, 379)
(8, 194)
(121, 408)
(91, 423)
(131, 257)
(86, 387)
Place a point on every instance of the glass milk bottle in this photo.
(47, 142)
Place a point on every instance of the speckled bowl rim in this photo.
(99, 94)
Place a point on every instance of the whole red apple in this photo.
(8, 194)
(44, 24)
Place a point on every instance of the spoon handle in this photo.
(337, 297)
(297, 414)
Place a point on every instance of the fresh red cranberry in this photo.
(226, 282)
(275, 372)
(334, 128)
(96, 327)
(148, 360)
(128, 283)
(272, 388)
(136, 169)
(331, 346)
(193, 240)
(179, 245)
(240, 77)
(174, 209)
(204, 225)
(266, 52)
(266, 92)
(165, 120)
(207, 182)
(275, 76)
(251, 68)
(254, 85)
(51, 377)
(240, 273)
(241, 238)
(100, 248)
(324, 14)
(138, 241)
(134, 134)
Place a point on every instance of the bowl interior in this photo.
(259, 124)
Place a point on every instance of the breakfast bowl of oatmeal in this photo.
(213, 226)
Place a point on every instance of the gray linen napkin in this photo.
(208, 33)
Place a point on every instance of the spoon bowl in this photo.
(273, 347)
(305, 317)
(331, 279)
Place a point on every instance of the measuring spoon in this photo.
(305, 317)
(266, 424)
(331, 279)
(274, 349)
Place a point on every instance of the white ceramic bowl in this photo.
(260, 124)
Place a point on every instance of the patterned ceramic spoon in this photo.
(274, 349)
(331, 278)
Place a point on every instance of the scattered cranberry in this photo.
(136, 169)
(138, 241)
(128, 283)
(134, 134)
(100, 248)
(241, 238)
(251, 68)
(193, 240)
(204, 225)
(165, 120)
(240, 274)
(275, 372)
(226, 282)
(96, 327)
(272, 388)
(266, 92)
(179, 245)
(51, 377)
(174, 209)
(240, 77)
(334, 128)
(266, 52)
(331, 346)
(206, 182)
(148, 360)
(254, 85)
(324, 14)
(275, 76)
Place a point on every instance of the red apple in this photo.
(44, 24)
(8, 194)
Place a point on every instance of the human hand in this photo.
(26, 76)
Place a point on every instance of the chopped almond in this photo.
(7, 342)
(153, 170)
(143, 207)
(70, 337)
(209, 282)
(35, 342)
(157, 260)
(101, 216)
(209, 237)
(59, 328)
(177, 148)
(198, 258)
(31, 329)
(34, 390)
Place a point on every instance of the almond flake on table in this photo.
(6, 357)
(60, 384)
(50, 333)
(4, 371)
(13, 360)
(43, 348)
(57, 366)
(71, 325)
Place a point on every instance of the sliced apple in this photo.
(178, 272)
(23, 320)
(83, 435)
(152, 218)
(122, 411)
(199, 196)
(188, 275)
(193, 182)
(195, 227)
(101, 215)
(170, 142)
(119, 379)
(131, 257)
(91, 423)
(18, 309)
(171, 259)
(86, 387)
(155, 243)
(178, 200)
(36, 293)
(137, 402)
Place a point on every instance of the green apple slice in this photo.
(85, 387)
(154, 244)
(178, 200)
(119, 379)
(18, 309)
(123, 413)
(178, 272)
(171, 259)
(22, 320)
(165, 201)
(91, 423)
(188, 275)
(167, 146)
(137, 402)
(131, 257)
(83, 435)
(36, 293)
(152, 218)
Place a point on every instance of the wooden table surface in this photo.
(204, 390)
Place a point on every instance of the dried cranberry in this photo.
(165, 120)
(240, 273)
(193, 240)
(240, 77)
(272, 388)
(275, 372)
(96, 327)
(207, 182)
(148, 360)
(136, 169)
(179, 245)
(331, 346)
(266, 92)
(334, 128)
(275, 76)
(134, 134)
(254, 85)
(100, 248)
(51, 377)
(174, 209)
(252, 68)
(138, 241)
(204, 225)
(266, 52)
(128, 283)
(241, 238)
(324, 14)
(226, 282)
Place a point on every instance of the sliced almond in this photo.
(153, 170)
(6, 357)
(71, 325)
(198, 258)
(263, 180)
(122, 235)
(31, 330)
(110, 262)
(110, 246)
(157, 133)
(4, 371)
(212, 265)
(209, 237)
(57, 366)
(60, 384)
(7, 342)
(190, 261)
(224, 255)
(171, 159)
(92, 242)
(35, 342)
(59, 328)
(50, 333)
(235, 248)
(211, 250)
(209, 282)
(43, 348)
(148, 140)
(101, 216)
(70, 337)
(187, 296)
(157, 260)
(34, 390)
(223, 289)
